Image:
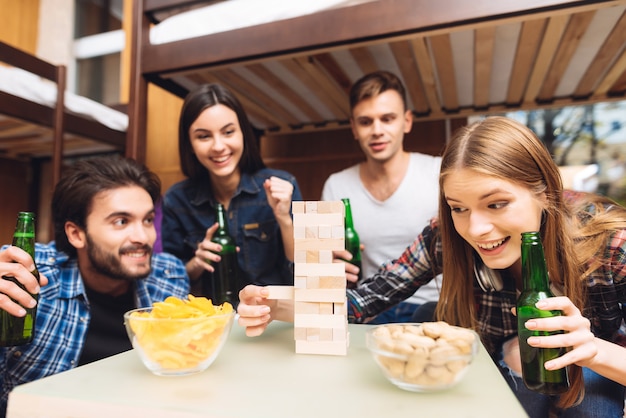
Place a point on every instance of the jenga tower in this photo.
(320, 305)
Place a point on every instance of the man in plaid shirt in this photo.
(100, 266)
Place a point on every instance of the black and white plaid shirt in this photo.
(420, 262)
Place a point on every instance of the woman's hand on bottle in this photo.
(254, 309)
(352, 271)
(279, 193)
(576, 337)
(207, 251)
(15, 262)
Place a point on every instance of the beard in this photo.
(109, 264)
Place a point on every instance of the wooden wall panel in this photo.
(18, 27)
(162, 132)
(19, 22)
(15, 181)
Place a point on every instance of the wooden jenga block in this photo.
(280, 292)
(326, 334)
(316, 269)
(312, 282)
(306, 307)
(325, 308)
(299, 282)
(297, 207)
(299, 333)
(338, 348)
(299, 256)
(310, 243)
(325, 231)
(312, 256)
(299, 232)
(325, 256)
(319, 295)
(340, 309)
(331, 206)
(311, 232)
(312, 334)
(319, 321)
(333, 282)
(320, 314)
(318, 219)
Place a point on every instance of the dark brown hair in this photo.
(73, 195)
(196, 102)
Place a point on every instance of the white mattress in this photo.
(31, 87)
(235, 14)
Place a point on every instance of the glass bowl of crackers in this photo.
(179, 337)
(422, 357)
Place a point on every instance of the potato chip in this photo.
(180, 334)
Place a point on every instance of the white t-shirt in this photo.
(387, 228)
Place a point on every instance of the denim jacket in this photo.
(188, 211)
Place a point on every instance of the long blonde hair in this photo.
(503, 148)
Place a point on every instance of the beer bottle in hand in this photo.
(225, 283)
(353, 243)
(536, 287)
(20, 330)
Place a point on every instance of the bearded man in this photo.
(100, 265)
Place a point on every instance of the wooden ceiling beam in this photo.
(251, 107)
(25, 130)
(334, 70)
(442, 52)
(403, 54)
(549, 45)
(615, 79)
(609, 50)
(284, 90)
(312, 84)
(427, 74)
(527, 47)
(255, 94)
(326, 83)
(364, 59)
(575, 30)
(484, 42)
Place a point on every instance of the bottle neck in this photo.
(348, 216)
(24, 235)
(534, 269)
(220, 215)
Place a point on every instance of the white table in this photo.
(260, 377)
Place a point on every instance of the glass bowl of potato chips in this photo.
(423, 357)
(179, 337)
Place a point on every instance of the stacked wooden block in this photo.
(320, 305)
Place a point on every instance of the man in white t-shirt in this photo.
(393, 193)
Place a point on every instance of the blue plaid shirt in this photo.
(63, 315)
(398, 279)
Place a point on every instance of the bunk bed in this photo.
(292, 71)
(39, 118)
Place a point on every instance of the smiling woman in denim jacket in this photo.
(220, 156)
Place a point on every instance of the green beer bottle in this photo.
(14, 330)
(536, 287)
(225, 282)
(353, 243)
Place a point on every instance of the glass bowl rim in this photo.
(127, 316)
(370, 342)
